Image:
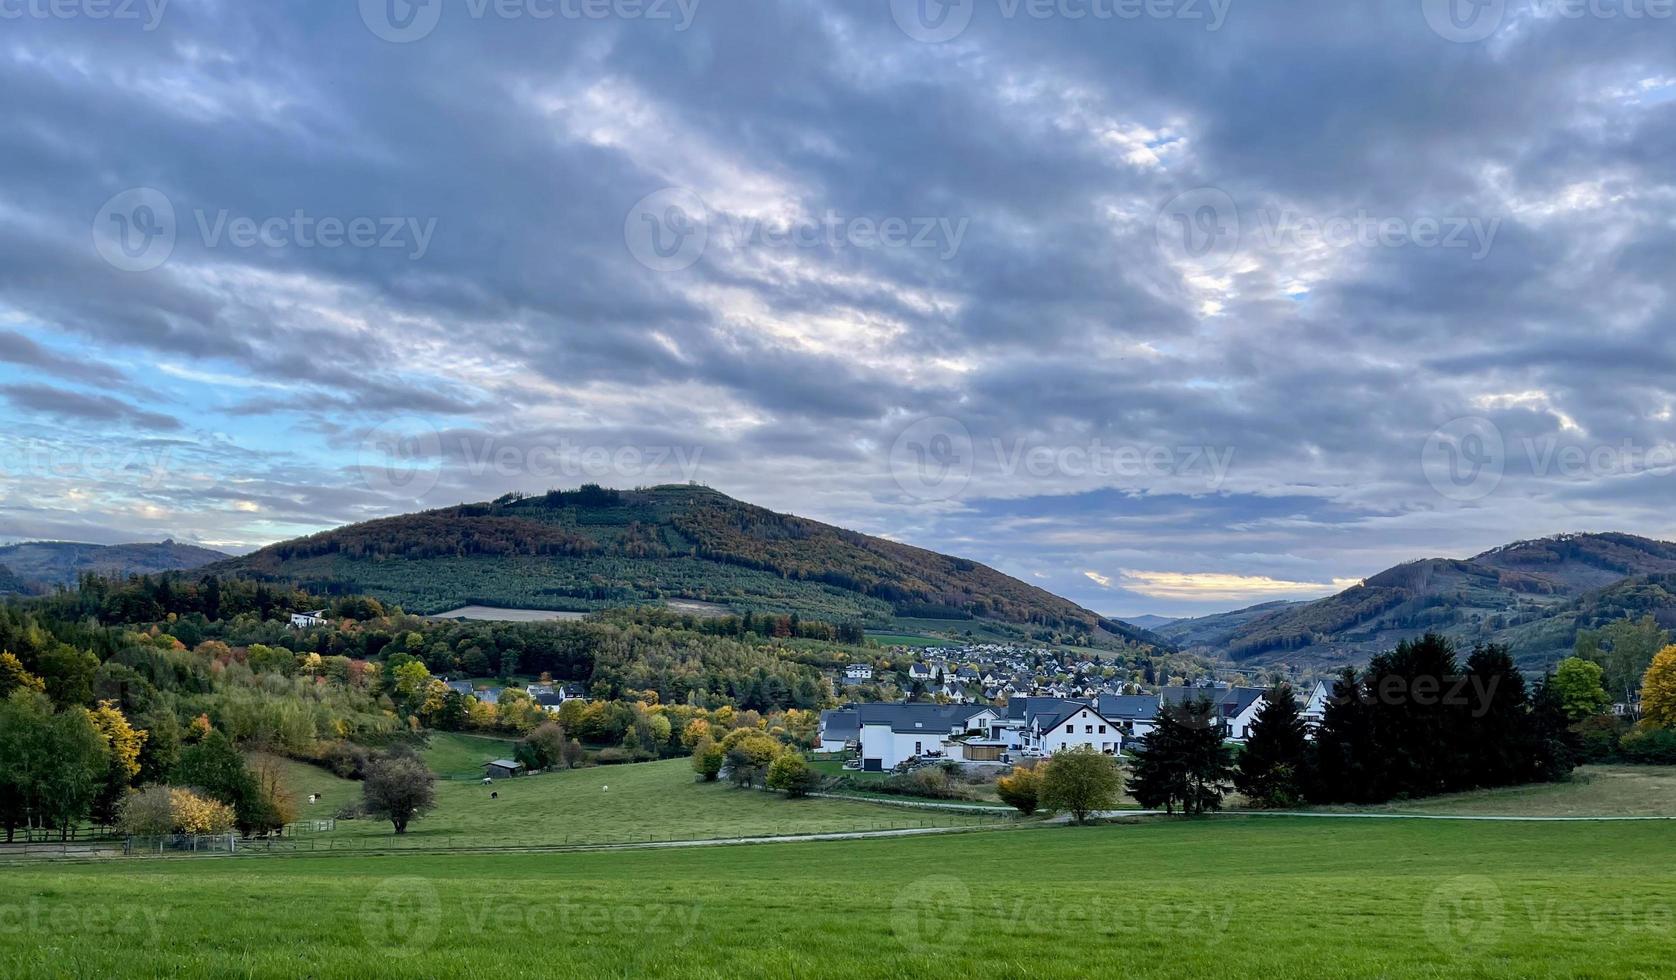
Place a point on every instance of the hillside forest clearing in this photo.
(1279, 896)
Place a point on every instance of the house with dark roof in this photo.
(891, 733)
(1234, 708)
(840, 728)
(1045, 725)
(1135, 714)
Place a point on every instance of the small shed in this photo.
(503, 769)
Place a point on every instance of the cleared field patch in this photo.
(1277, 897)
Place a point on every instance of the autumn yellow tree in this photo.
(696, 731)
(123, 743)
(193, 814)
(1658, 690)
(13, 676)
(124, 739)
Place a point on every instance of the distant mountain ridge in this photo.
(594, 548)
(1531, 595)
(36, 566)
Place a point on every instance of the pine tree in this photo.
(1276, 764)
(1182, 762)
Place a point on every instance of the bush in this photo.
(146, 813)
(614, 756)
(791, 774)
(933, 782)
(1599, 737)
(345, 759)
(351, 811)
(1021, 789)
(1649, 746)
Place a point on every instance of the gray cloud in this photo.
(1061, 319)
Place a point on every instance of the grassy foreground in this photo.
(1249, 897)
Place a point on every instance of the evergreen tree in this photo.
(1183, 761)
(1275, 766)
(1345, 756)
(1500, 747)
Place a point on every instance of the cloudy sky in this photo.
(1167, 307)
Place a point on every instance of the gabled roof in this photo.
(840, 723)
(506, 764)
(919, 716)
(1129, 707)
(1228, 701)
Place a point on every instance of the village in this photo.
(996, 705)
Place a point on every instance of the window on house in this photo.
(1102, 729)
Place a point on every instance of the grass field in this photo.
(601, 805)
(1594, 791)
(456, 754)
(1245, 897)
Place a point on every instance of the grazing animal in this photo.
(314, 797)
(494, 796)
(487, 780)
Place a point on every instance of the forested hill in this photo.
(595, 548)
(38, 566)
(1533, 596)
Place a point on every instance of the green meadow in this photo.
(606, 804)
(1236, 896)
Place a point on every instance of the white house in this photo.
(891, 734)
(305, 620)
(1136, 714)
(1315, 708)
(1045, 725)
(1234, 708)
(859, 672)
(840, 728)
